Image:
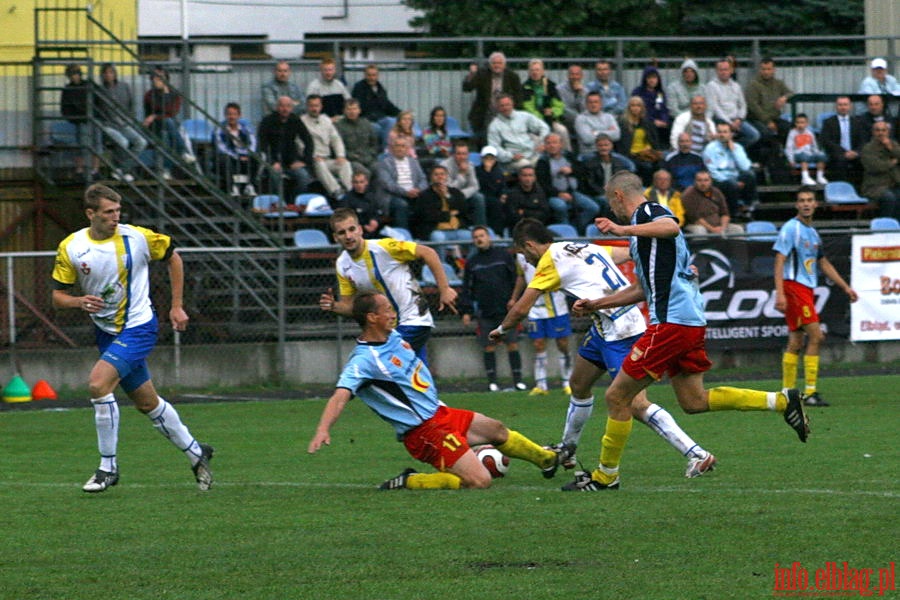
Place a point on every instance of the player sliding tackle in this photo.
(674, 341)
(386, 374)
(589, 271)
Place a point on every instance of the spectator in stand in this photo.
(279, 133)
(683, 163)
(360, 138)
(329, 88)
(879, 82)
(73, 104)
(361, 199)
(728, 105)
(403, 129)
(705, 209)
(526, 199)
(640, 140)
(330, 157)
(842, 138)
(234, 145)
(875, 113)
(730, 168)
(801, 149)
(681, 91)
(514, 133)
(372, 97)
(541, 99)
(594, 121)
(766, 98)
(488, 283)
(663, 193)
(115, 115)
(463, 177)
(881, 170)
(696, 123)
(600, 167)
(281, 85)
(573, 93)
(560, 173)
(439, 213)
(654, 96)
(489, 83)
(613, 93)
(399, 179)
(161, 108)
(492, 185)
(438, 144)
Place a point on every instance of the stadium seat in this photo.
(884, 223)
(428, 279)
(474, 158)
(311, 238)
(820, 118)
(315, 205)
(454, 131)
(563, 230)
(267, 205)
(842, 192)
(63, 133)
(398, 233)
(591, 231)
(198, 130)
(765, 231)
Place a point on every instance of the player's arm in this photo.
(343, 307)
(177, 316)
(330, 414)
(447, 293)
(831, 273)
(659, 228)
(630, 295)
(518, 312)
(620, 254)
(61, 298)
(780, 300)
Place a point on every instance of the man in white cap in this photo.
(879, 82)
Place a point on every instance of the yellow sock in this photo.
(810, 373)
(789, 363)
(519, 446)
(729, 398)
(611, 448)
(432, 481)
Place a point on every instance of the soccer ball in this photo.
(493, 460)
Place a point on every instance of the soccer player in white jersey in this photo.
(383, 266)
(110, 262)
(584, 271)
(384, 371)
(548, 318)
(674, 342)
(798, 260)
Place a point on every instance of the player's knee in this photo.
(540, 345)
(477, 481)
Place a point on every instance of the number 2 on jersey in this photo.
(610, 274)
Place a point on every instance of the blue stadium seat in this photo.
(563, 230)
(765, 231)
(429, 280)
(268, 205)
(200, 131)
(842, 192)
(591, 231)
(884, 223)
(454, 131)
(63, 133)
(311, 238)
(398, 233)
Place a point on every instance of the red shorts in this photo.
(441, 440)
(801, 305)
(668, 348)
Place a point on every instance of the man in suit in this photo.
(488, 83)
(842, 139)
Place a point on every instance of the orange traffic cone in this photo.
(43, 391)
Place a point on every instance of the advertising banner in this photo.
(876, 278)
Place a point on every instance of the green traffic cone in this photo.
(16, 391)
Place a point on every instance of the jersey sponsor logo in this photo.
(405, 344)
(808, 264)
(396, 362)
(419, 384)
(85, 268)
(636, 354)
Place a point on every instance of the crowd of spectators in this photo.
(535, 148)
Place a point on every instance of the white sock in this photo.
(166, 420)
(106, 418)
(659, 420)
(579, 412)
(540, 370)
(565, 368)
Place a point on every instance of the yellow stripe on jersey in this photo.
(546, 277)
(398, 249)
(63, 269)
(124, 272)
(158, 243)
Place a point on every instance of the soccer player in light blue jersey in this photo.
(674, 342)
(385, 373)
(798, 260)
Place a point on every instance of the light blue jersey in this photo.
(392, 381)
(663, 266)
(802, 248)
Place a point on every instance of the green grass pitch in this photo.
(281, 524)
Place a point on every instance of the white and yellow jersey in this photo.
(116, 269)
(383, 267)
(587, 271)
(549, 304)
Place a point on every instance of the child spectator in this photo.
(801, 149)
